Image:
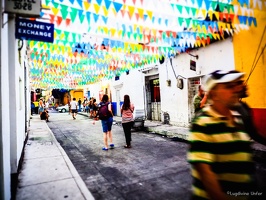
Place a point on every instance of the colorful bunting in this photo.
(100, 39)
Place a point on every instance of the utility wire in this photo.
(256, 61)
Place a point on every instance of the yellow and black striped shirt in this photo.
(225, 147)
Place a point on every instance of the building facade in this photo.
(14, 105)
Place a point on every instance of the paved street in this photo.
(154, 168)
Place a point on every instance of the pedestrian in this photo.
(94, 108)
(247, 116)
(74, 107)
(199, 99)
(91, 107)
(45, 115)
(220, 151)
(106, 116)
(32, 108)
(87, 107)
(41, 106)
(84, 104)
(79, 104)
(127, 110)
(69, 107)
(47, 105)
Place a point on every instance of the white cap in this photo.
(220, 76)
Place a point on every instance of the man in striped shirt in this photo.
(220, 148)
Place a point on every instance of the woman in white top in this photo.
(127, 110)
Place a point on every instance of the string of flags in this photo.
(100, 39)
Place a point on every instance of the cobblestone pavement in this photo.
(154, 168)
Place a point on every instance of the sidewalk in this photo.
(47, 172)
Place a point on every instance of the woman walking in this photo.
(127, 110)
(106, 116)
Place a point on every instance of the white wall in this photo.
(5, 169)
(12, 105)
(132, 85)
(17, 97)
(174, 100)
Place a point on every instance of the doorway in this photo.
(153, 97)
(193, 85)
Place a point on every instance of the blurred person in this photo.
(85, 104)
(74, 108)
(220, 151)
(41, 106)
(45, 115)
(32, 108)
(69, 107)
(106, 116)
(199, 99)
(246, 114)
(79, 105)
(47, 105)
(127, 110)
(91, 107)
(94, 108)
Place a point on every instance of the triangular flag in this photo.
(105, 11)
(149, 13)
(55, 10)
(81, 16)
(80, 3)
(59, 20)
(86, 5)
(73, 14)
(107, 3)
(104, 19)
(140, 11)
(99, 2)
(64, 11)
(117, 6)
(131, 10)
(96, 8)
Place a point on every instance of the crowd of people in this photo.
(41, 109)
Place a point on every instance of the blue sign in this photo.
(34, 30)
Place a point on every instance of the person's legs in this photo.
(47, 117)
(127, 131)
(124, 125)
(105, 140)
(73, 114)
(105, 134)
(109, 133)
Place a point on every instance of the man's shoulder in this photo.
(197, 97)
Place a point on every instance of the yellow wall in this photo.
(77, 94)
(246, 44)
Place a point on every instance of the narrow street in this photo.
(154, 168)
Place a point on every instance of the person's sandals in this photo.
(112, 146)
(127, 146)
(105, 149)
